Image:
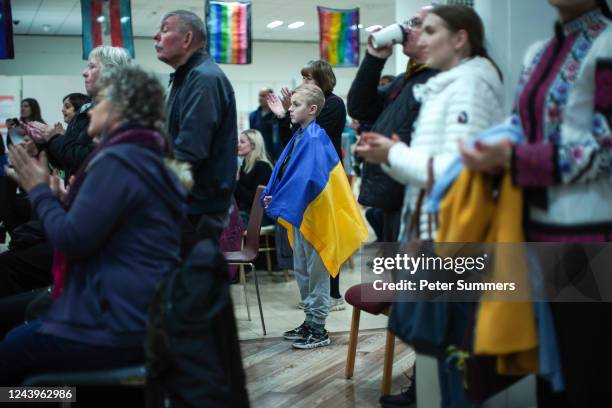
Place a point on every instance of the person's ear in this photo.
(313, 109)
(187, 39)
(460, 39)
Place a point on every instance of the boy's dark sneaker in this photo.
(299, 333)
(314, 339)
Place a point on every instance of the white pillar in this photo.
(511, 26)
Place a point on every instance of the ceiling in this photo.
(63, 17)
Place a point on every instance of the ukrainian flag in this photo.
(314, 195)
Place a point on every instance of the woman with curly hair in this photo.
(115, 234)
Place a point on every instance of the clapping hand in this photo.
(59, 129)
(40, 132)
(286, 98)
(374, 147)
(276, 105)
(58, 187)
(27, 171)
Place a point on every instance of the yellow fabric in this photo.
(471, 213)
(332, 223)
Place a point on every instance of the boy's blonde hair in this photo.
(312, 94)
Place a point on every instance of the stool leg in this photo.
(352, 347)
(388, 363)
(286, 275)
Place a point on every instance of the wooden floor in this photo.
(279, 376)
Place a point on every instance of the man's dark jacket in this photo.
(393, 109)
(202, 124)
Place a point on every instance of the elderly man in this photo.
(264, 120)
(392, 110)
(202, 122)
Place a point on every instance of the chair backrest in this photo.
(251, 246)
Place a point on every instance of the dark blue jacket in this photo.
(202, 123)
(121, 236)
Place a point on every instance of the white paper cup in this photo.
(393, 34)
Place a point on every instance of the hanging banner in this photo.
(107, 22)
(339, 36)
(6, 31)
(229, 31)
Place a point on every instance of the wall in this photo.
(51, 67)
(511, 26)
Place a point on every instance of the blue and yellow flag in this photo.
(314, 195)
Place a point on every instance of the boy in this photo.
(309, 194)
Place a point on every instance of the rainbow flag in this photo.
(102, 19)
(6, 31)
(229, 28)
(314, 196)
(339, 36)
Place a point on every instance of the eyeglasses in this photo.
(414, 22)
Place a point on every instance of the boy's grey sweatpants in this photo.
(312, 279)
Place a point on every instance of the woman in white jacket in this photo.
(457, 104)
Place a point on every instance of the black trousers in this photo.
(23, 274)
(391, 225)
(15, 209)
(25, 269)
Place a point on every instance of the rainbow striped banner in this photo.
(339, 36)
(6, 31)
(229, 28)
(100, 15)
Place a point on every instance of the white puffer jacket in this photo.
(456, 105)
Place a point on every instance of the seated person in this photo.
(255, 171)
(115, 234)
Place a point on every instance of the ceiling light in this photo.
(373, 27)
(125, 19)
(296, 24)
(275, 24)
(100, 19)
(359, 26)
(46, 27)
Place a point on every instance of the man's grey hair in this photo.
(110, 57)
(189, 21)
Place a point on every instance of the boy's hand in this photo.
(267, 200)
